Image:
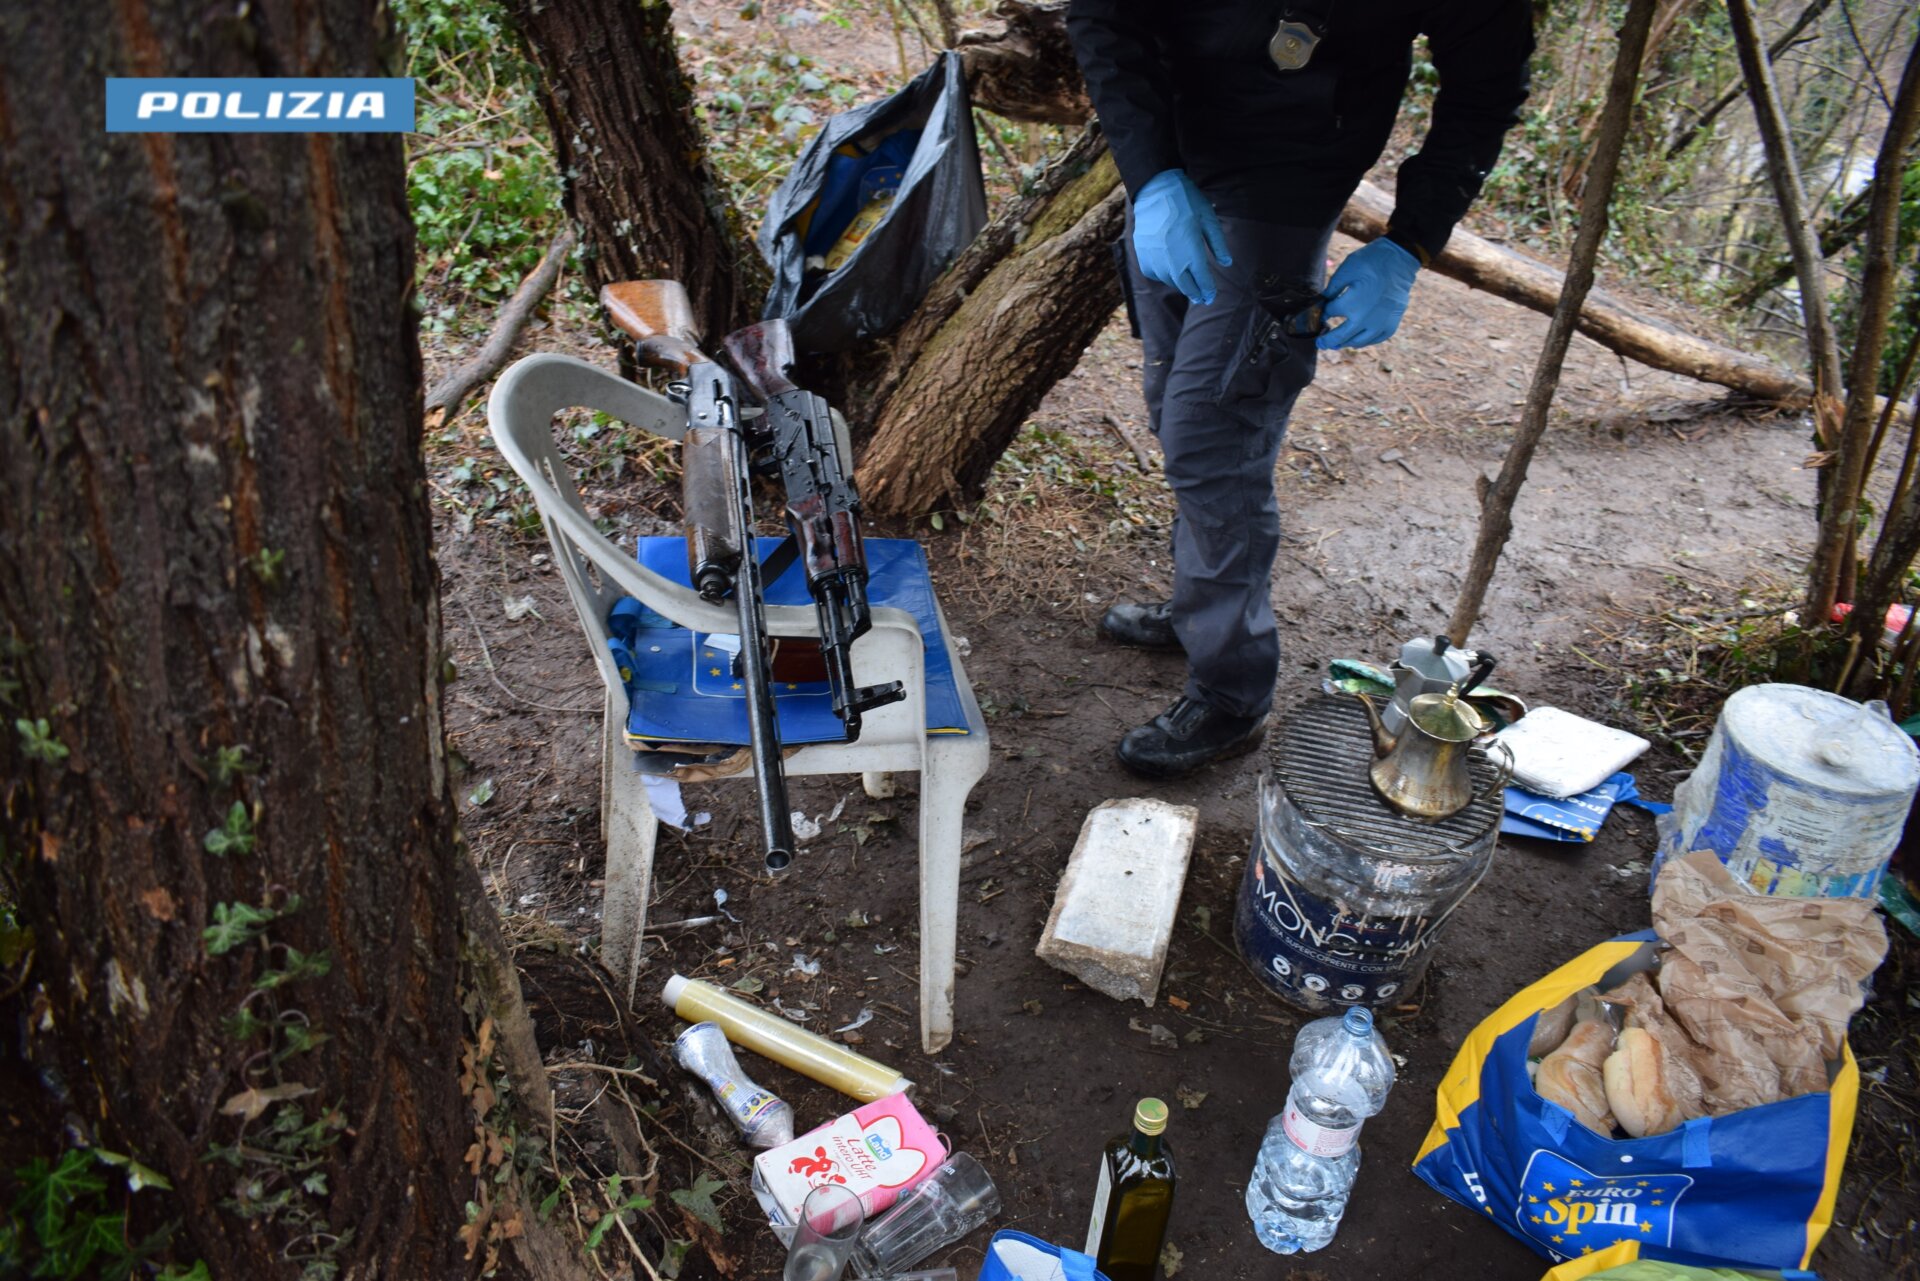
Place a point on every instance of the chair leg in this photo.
(946, 778)
(632, 832)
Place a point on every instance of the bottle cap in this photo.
(1150, 1116)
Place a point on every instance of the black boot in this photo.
(1186, 736)
(1148, 626)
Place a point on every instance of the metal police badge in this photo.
(1293, 43)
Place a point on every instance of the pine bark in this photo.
(216, 590)
(632, 154)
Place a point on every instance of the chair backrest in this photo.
(597, 573)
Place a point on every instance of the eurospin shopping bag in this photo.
(1752, 1189)
(1622, 1262)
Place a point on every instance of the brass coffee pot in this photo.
(1424, 770)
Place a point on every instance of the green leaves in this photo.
(621, 1204)
(37, 740)
(234, 836)
(698, 1200)
(238, 923)
(268, 565)
(138, 1176)
(229, 763)
(62, 1223)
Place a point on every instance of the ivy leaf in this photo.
(234, 836)
(48, 1191)
(138, 1176)
(234, 924)
(250, 1103)
(698, 1200)
(300, 965)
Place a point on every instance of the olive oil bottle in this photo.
(1133, 1198)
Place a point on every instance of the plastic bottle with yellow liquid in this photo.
(1133, 1198)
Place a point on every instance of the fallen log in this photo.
(446, 396)
(1608, 321)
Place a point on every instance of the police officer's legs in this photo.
(1221, 422)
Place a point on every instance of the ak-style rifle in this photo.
(823, 511)
(717, 458)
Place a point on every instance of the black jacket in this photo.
(1188, 84)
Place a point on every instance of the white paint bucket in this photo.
(1801, 793)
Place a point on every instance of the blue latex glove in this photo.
(1174, 228)
(1370, 291)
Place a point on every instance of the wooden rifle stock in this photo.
(659, 316)
(762, 354)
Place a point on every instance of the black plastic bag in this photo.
(935, 211)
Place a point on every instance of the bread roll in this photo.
(1635, 1076)
(1551, 1028)
(1571, 1076)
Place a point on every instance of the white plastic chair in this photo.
(598, 573)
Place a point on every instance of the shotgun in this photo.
(823, 512)
(716, 460)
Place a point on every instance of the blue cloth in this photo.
(681, 688)
(1370, 290)
(1174, 229)
(853, 179)
(1571, 818)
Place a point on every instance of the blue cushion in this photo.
(679, 683)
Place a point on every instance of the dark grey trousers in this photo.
(1221, 423)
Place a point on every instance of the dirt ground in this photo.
(1644, 496)
(1636, 500)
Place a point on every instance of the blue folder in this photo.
(680, 686)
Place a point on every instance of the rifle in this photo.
(823, 512)
(719, 508)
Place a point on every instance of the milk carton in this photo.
(878, 1151)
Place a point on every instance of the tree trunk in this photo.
(998, 330)
(632, 155)
(1894, 551)
(226, 814)
(1828, 574)
(1496, 499)
(1784, 41)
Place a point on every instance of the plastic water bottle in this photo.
(1307, 1163)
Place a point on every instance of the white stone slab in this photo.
(1113, 913)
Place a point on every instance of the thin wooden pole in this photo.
(1496, 499)
(1828, 570)
(1894, 549)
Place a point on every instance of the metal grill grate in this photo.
(1323, 762)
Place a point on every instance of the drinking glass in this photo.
(830, 1221)
(934, 1213)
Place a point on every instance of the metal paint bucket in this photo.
(1344, 899)
(1801, 793)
